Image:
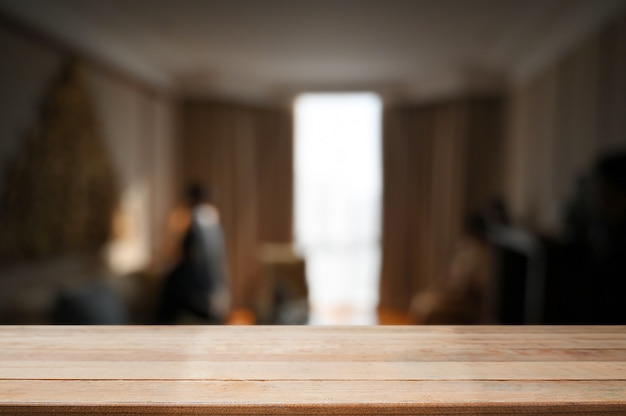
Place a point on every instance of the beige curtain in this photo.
(275, 176)
(244, 154)
(440, 161)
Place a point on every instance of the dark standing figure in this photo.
(198, 283)
(591, 274)
(607, 241)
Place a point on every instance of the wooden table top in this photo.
(313, 370)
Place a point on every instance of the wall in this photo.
(137, 124)
(561, 119)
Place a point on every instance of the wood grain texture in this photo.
(313, 370)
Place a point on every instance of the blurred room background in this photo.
(371, 161)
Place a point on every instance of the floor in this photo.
(334, 316)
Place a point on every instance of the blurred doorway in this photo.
(338, 187)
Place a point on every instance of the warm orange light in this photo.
(241, 317)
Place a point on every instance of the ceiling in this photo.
(271, 48)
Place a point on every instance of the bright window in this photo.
(337, 202)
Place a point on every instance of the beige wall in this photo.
(139, 127)
(560, 120)
(137, 124)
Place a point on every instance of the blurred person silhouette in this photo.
(463, 297)
(198, 284)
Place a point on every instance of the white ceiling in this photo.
(270, 48)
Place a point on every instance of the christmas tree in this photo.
(60, 194)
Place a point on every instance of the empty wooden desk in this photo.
(313, 370)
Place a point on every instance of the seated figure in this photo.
(462, 299)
